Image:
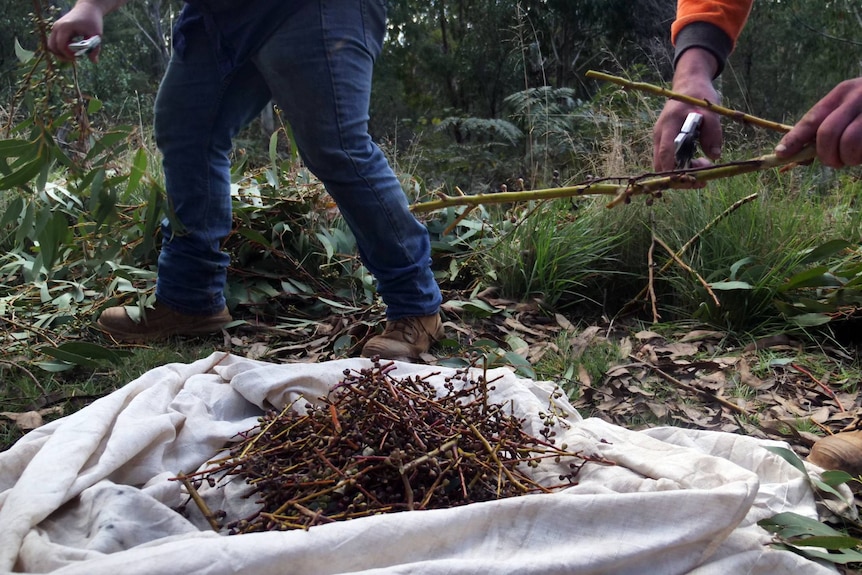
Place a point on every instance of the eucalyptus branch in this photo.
(651, 278)
(720, 110)
(678, 254)
(647, 184)
(687, 268)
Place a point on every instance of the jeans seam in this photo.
(336, 101)
(212, 304)
(207, 181)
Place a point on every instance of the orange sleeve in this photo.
(729, 15)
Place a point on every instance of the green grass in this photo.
(26, 389)
(566, 363)
(759, 245)
(555, 253)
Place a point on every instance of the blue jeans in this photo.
(317, 66)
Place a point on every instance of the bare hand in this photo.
(693, 77)
(84, 20)
(834, 124)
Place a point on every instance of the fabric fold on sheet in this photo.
(92, 492)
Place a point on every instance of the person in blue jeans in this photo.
(315, 59)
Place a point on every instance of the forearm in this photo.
(104, 6)
(704, 34)
(696, 62)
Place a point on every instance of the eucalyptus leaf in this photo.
(138, 169)
(327, 245)
(788, 525)
(18, 148)
(841, 557)
(342, 345)
(520, 364)
(94, 105)
(23, 175)
(95, 351)
(734, 269)
(826, 488)
(254, 236)
(836, 477)
(12, 211)
(789, 456)
(22, 53)
(54, 366)
(810, 319)
(337, 305)
(814, 277)
(826, 250)
(273, 151)
(731, 285)
(69, 357)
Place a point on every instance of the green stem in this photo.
(640, 185)
(721, 110)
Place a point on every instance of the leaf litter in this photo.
(772, 388)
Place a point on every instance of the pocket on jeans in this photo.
(374, 20)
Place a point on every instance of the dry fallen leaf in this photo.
(701, 335)
(564, 323)
(584, 376)
(257, 350)
(29, 420)
(647, 335)
(675, 350)
(748, 378)
(518, 326)
(658, 409)
(625, 347)
(713, 381)
(771, 342)
(582, 341)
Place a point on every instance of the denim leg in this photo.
(198, 112)
(319, 66)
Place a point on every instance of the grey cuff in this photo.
(707, 36)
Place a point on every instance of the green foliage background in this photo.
(446, 62)
(474, 95)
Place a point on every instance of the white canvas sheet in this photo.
(89, 493)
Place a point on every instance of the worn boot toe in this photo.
(158, 322)
(405, 338)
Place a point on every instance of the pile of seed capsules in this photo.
(381, 444)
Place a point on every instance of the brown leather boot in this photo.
(406, 338)
(158, 322)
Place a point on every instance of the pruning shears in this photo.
(685, 143)
(84, 47)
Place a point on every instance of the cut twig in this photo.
(687, 268)
(493, 453)
(647, 184)
(380, 444)
(205, 510)
(433, 453)
(254, 440)
(651, 278)
(315, 516)
(458, 220)
(732, 208)
(690, 388)
(822, 385)
(706, 104)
